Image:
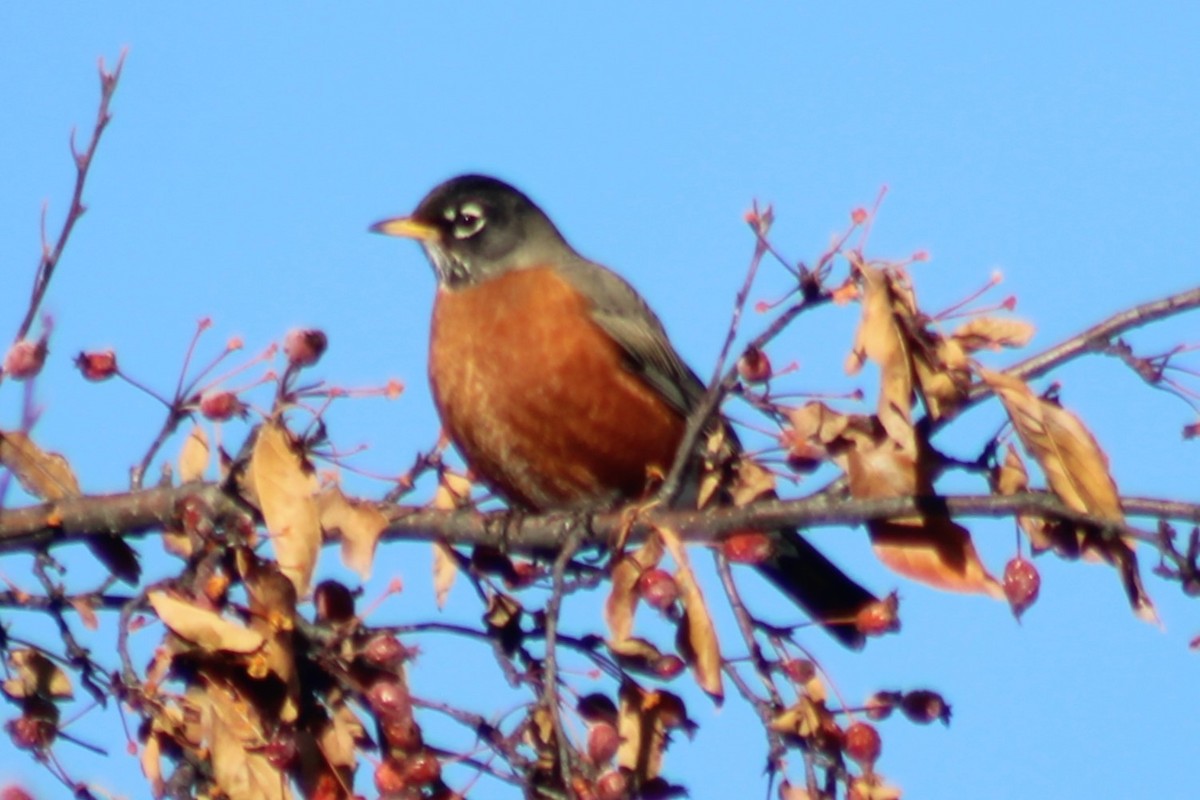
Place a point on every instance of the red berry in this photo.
(924, 706)
(97, 366)
(304, 347)
(386, 651)
(603, 742)
(747, 548)
(668, 667)
(754, 366)
(422, 769)
(658, 589)
(1021, 585)
(390, 698)
(220, 406)
(389, 777)
(862, 743)
(799, 670)
(280, 752)
(25, 359)
(880, 705)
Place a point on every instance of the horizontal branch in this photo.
(149, 510)
(1099, 334)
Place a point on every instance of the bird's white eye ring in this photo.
(468, 220)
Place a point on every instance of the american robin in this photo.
(556, 381)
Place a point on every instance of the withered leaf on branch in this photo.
(34, 675)
(1010, 477)
(272, 615)
(194, 455)
(643, 720)
(622, 599)
(704, 649)
(993, 333)
(46, 476)
(882, 339)
(452, 491)
(286, 487)
(234, 731)
(1075, 466)
(359, 523)
(931, 547)
(202, 627)
(1077, 471)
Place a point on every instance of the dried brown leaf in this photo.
(194, 456)
(1069, 455)
(452, 491)
(286, 487)
(930, 548)
(882, 339)
(993, 333)
(703, 644)
(202, 627)
(641, 727)
(35, 675)
(45, 475)
(1077, 471)
(234, 732)
(622, 600)
(359, 523)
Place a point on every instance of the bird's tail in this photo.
(831, 597)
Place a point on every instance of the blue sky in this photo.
(251, 147)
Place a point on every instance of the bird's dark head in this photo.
(474, 227)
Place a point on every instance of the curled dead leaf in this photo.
(623, 598)
(204, 628)
(35, 675)
(703, 647)
(993, 333)
(194, 456)
(360, 524)
(286, 487)
(45, 475)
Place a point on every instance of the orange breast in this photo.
(536, 397)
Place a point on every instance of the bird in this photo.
(558, 384)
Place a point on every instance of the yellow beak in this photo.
(406, 227)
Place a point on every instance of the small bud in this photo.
(304, 347)
(220, 406)
(858, 216)
(879, 617)
(754, 366)
(747, 548)
(99, 365)
(25, 359)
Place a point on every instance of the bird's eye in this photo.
(468, 220)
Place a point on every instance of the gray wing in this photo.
(624, 315)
